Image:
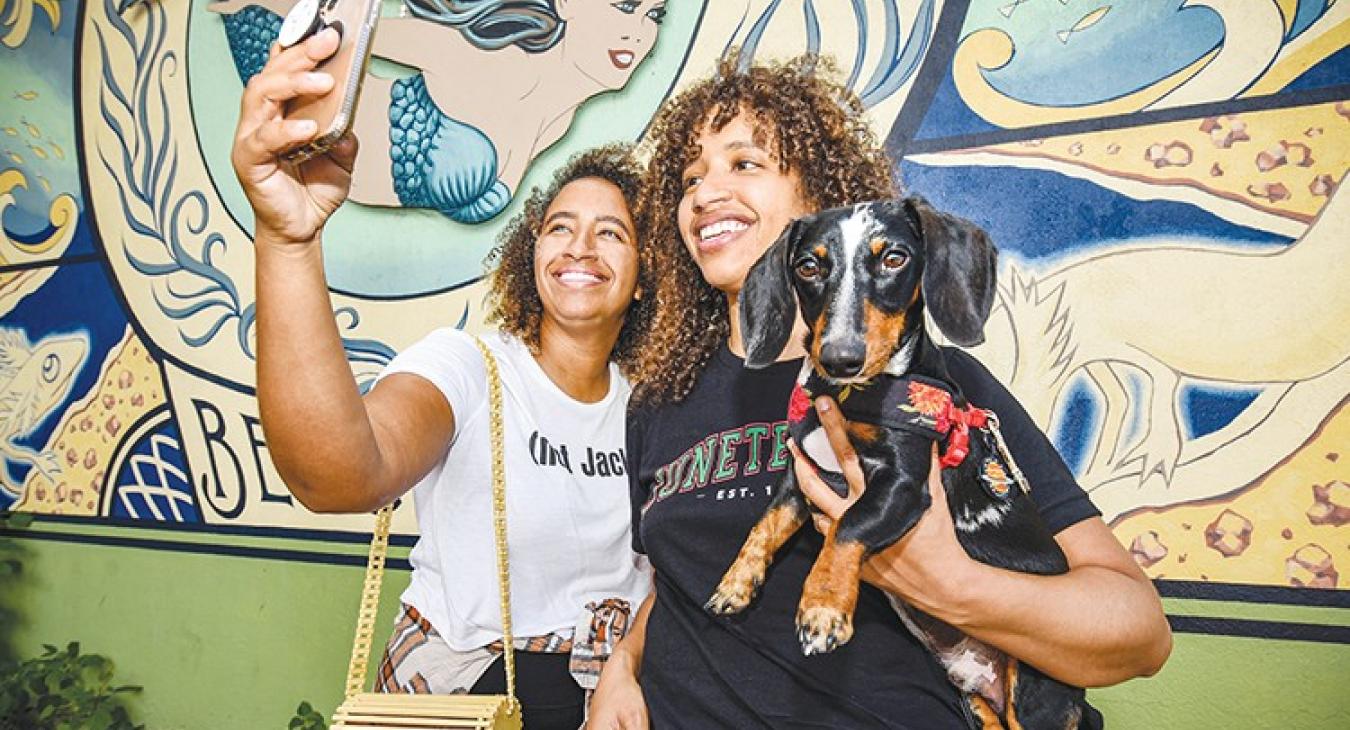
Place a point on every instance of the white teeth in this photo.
(720, 227)
(624, 58)
(578, 277)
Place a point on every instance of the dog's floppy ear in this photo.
(960, 270)
(768, 302)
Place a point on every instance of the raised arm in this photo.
(1098, 624)
(336, 451)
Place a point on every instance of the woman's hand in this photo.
(617, 703)
(290, 202)
(926, 566)
(1098, 624)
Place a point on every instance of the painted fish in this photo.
(41, 153)
(26, 95)
(56, 150)
(46, 186)
(1085, 22)
(32, 128)
(34, 380)
(15, 158)
(11, 131)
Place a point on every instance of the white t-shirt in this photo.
(568, 520)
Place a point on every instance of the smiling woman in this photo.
(543, 264)
(734, 158)
(563, 297)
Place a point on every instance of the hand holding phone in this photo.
(291, 201)
(354, 21)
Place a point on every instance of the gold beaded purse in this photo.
(381, 711)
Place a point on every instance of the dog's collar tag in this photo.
(996, 480)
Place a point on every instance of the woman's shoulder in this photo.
(447, 337)
(453, 345)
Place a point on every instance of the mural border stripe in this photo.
(1249, 593)
(340, 536)
(80, 258)
(1320, 634)
(1288, 100)
(236, 551)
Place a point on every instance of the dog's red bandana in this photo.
(911, 403)
(955, 423)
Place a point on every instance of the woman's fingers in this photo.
(306, 55)
(288, 73)
(836, 430)
(279, 86)
(266, 93)
(281, 135)
(270, 140)
(343, 152)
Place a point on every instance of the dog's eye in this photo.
(808, 269)
(894, 260)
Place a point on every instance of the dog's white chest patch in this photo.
(970, 521)
(817, 446)
(969, 669)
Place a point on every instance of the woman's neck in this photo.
(578, 363)
(794, 349)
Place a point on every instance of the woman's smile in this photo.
(578, 277)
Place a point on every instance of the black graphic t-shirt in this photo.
(702, 472)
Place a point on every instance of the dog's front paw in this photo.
(733, 594)
(822, 629)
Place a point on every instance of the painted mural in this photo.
(1163, 178)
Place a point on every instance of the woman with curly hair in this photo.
(568, 300)
(734, 159)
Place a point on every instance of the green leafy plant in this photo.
(306, 718)
(63, 690)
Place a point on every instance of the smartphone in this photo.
(334, 112)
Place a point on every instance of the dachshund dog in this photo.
(862, 278)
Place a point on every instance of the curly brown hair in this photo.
(811, 125)
(515, 304)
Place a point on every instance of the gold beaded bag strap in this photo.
(380, 710)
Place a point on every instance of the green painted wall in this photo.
(222, 642)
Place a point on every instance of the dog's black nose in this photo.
(843, 360)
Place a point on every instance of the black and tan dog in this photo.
(862, 278)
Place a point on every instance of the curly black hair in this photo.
(810, 123)
(515, 304)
